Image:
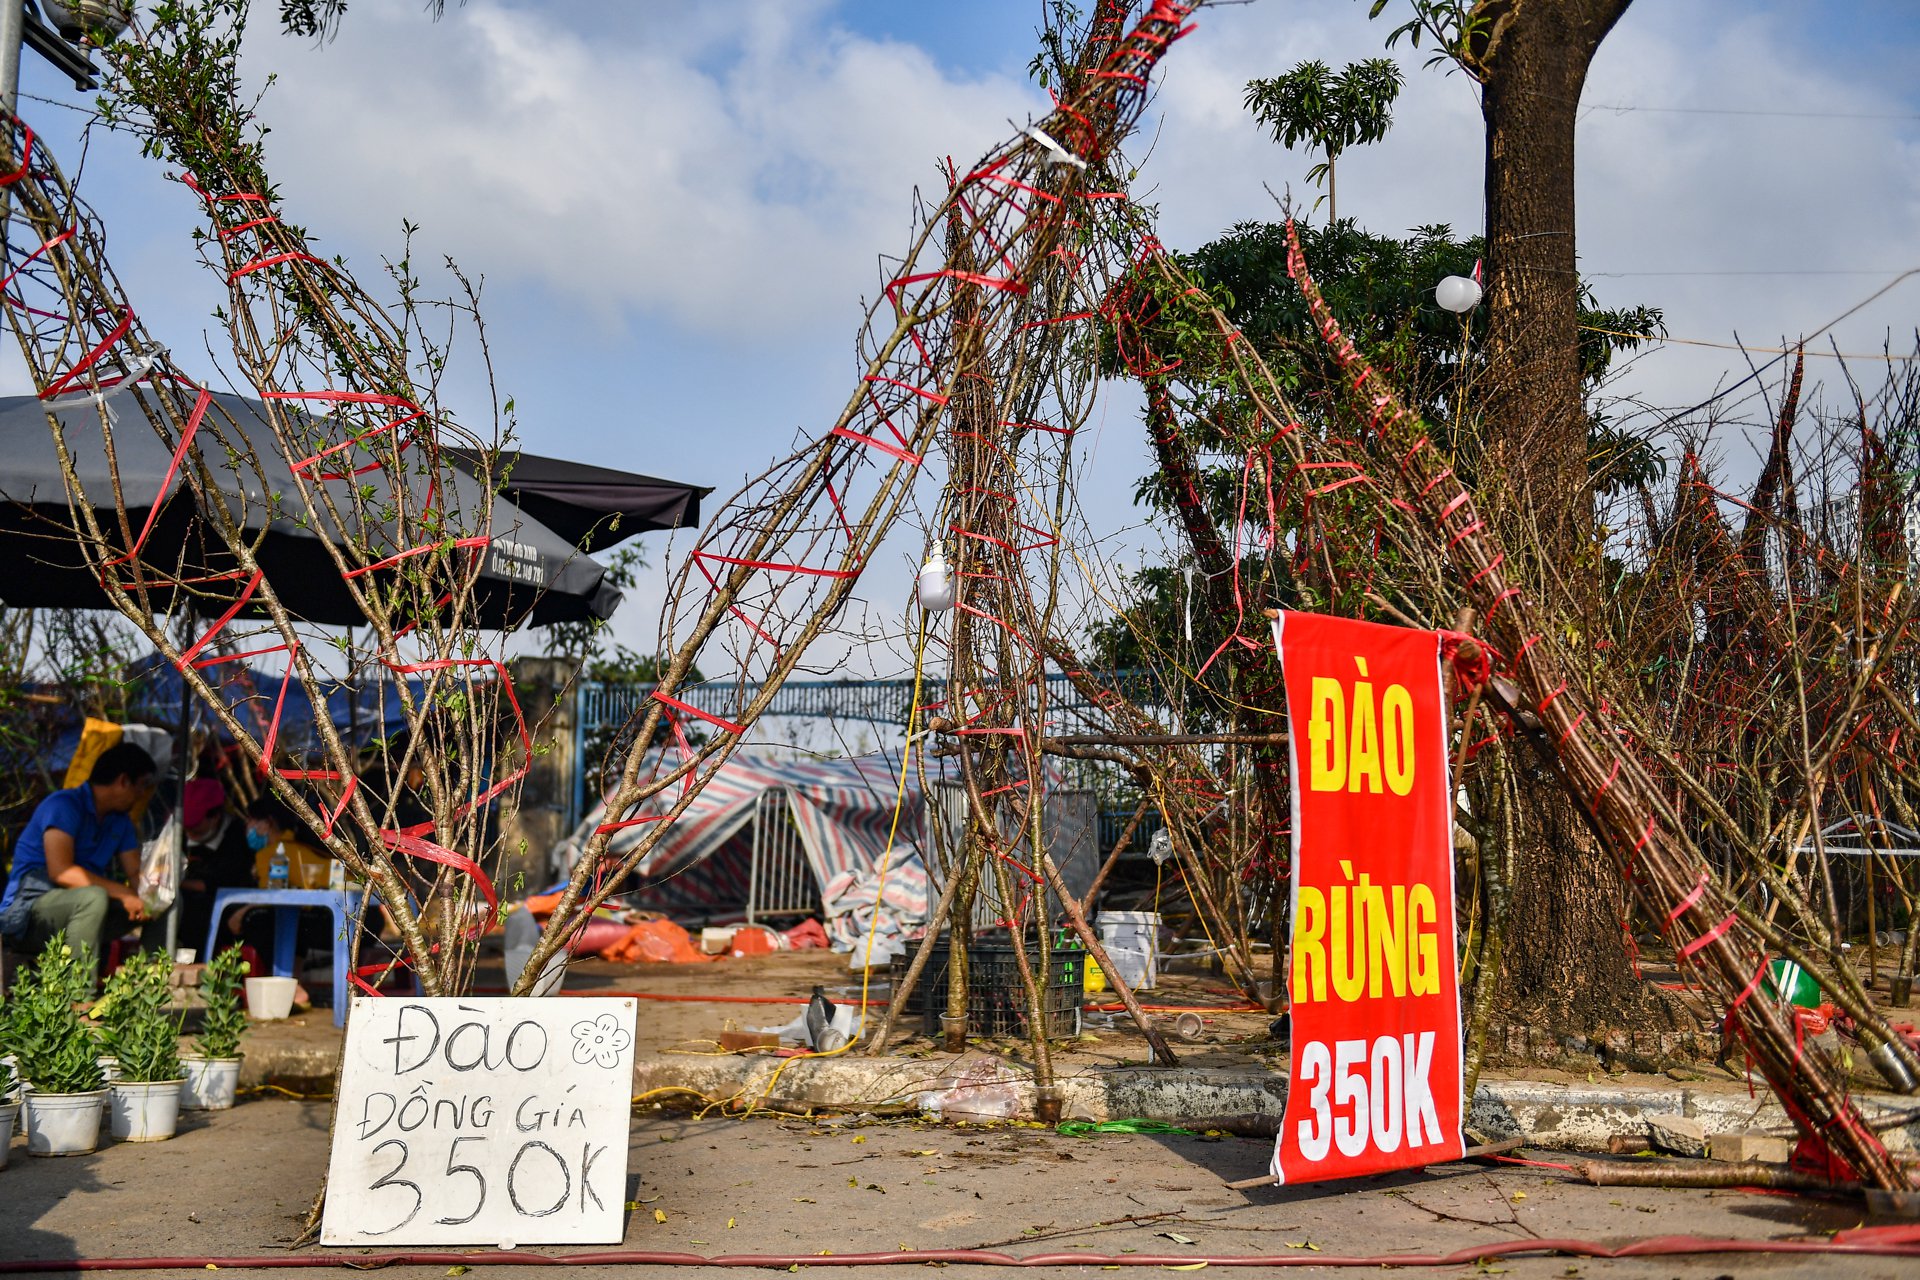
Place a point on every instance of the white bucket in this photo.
(210, 1083)
(109, 1069)
(9, 1113)
(64, 1124)
(270, 999)
(145, 1112)
(1132, 942)
(10, 1070)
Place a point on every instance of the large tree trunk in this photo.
(1533, 59)
(1566, 960)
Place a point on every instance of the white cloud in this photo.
(1687, 192)
(728, 171)
(735, 179)
(1658, 191)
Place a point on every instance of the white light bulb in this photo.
(936, 584)
(1458, 294)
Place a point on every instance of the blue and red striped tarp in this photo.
(843, 811)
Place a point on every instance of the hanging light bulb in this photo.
(1458, 294)
(935, 585)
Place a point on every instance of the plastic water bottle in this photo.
(337, 876)
(279, 868)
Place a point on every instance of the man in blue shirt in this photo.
(62, 862)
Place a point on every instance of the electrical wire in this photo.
(1761, 369)
(1621, 108)
(880, 888)
(1734, 346)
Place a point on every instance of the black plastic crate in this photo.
(996, 999)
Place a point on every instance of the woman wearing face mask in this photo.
(272, 836)
(271, 829)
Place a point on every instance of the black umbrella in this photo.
(530, 574)
(591, 507)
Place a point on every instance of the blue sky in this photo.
(677, 208)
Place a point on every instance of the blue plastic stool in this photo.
(286, 904)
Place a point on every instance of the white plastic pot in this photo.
(270, 999)
(64, 1124)
(109, 1069)
(1132, 942)
(9, 1112)
(210, 1083)
(145, 1111)
(10, 1070)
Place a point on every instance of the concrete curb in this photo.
(978, 1086)
(975, 1086)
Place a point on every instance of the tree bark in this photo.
(1566, 960)
(1532, 57)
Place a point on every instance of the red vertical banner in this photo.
(1374, 989)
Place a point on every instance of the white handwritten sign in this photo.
(482, 1121)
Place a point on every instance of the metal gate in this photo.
(780, 881)
(1069, 826)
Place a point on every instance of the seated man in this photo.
(62, 863)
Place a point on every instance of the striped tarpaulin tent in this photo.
(843, 811)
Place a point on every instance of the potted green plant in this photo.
(142, 1031)
(57, 1052)
(9, 1105)
(213, 1069)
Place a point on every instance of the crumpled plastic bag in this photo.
(160, 868)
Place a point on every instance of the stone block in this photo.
(1678, 1135)
(1745, 1145)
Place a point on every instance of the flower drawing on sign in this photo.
(600, 1041)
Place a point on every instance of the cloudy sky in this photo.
(677, 208)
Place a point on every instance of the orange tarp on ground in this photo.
(657, 940)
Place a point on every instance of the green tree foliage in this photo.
(320, 19)
(1329, 112)
(1381, 289)
(590, 642)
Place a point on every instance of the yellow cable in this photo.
(638, 1098)
(879, 896)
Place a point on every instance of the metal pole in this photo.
(13, 28)
(581, 705)
(12, 31)
(182, 765)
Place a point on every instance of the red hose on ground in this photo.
(685, 999)
(661, 995)
(1877, 1242)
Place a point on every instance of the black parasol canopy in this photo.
(591, 507)
(530, 574)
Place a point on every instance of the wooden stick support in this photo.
(1471, 1153)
